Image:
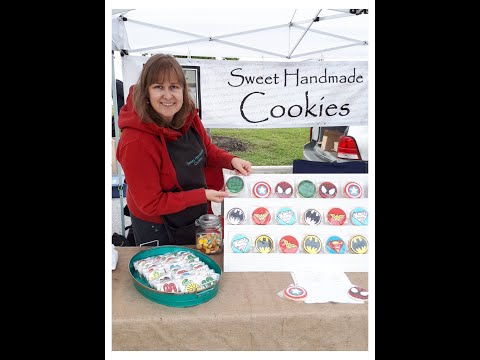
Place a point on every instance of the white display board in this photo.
(300, 261)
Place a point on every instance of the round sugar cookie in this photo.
(285, 216)
(261, 216)
(359, 216)
(264, 244)
(283, 190)
(358, 293)
(261, 189)
(312, 244)
(306, 189)
(327, 190)
(353, 190)
(234, 185)
(240, 243)
(358, 244)
(336, 216)
(312, 217)
(296, 293)
(335, 245)
(288, 244)
(235, 216)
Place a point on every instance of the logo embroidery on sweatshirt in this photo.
(196, 159)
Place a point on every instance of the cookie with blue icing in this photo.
(359, 216)
(285, 216)
(335, 245)
(240, 243)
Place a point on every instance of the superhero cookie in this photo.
(261, 189)
(261, 216)
(283, 190)
(336, 216)
(358, 293)
(285, 216)
(327, 190)
(296, 293)
(234, 185)
(358, 244)
(288, 244)
(312, 217)
(240, 243)
(264, 244)
(353, 190)
(335, 245)
(306, 189)
(359, 216)
(235, 216)
(312, 244)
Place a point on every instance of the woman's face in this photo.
(166, 98)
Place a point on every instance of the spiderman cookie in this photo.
(295, 293)
(359, 216)
(336, 216)
(327, 190)
(312, 217)
(261, 216)
(353, 190)
(288, 244)
(306, 189)
(264, 244)
(312, 244)
(283, 190)
(335, 245)
(261, 189)
(358, 244)
(235, 216)
(358, 293)
(285, 216)
(240, 243)
(234, 185)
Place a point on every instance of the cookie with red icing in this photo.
(336, 216)
(288, 244)
(296, 293)
(327, 190)
(261, 216)
(358, 293)
(261, 189)
(283, 190)
(353, 190)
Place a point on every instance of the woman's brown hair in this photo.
(158, 68)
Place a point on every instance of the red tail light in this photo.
(347, 148)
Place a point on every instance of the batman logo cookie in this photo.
(358, 244)
(235, 216)
(312, 217)
(264, 244)
(312, 244)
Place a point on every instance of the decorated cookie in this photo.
(240, 243)
(283, 190)
(312, 244)
(285, 216)
(295, 293)
(353, 190)
(327, 190)
(306, 189)
(288, 244)
(234, 185)
(235, 216)
(312, 217)
(261, 189)
(358, 244)
(336, 216)
(264, 244)
(358, 293)
(359, 216)
(261, 216)
(335, 245)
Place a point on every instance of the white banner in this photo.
(244, 94)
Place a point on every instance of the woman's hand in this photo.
(241, 166)
(215, 196)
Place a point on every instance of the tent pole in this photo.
(117, 135)
(306, 30)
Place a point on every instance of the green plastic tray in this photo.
(173, 299)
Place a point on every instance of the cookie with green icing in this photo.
(234, 185)
(306, 189)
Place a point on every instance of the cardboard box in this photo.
(329, 139)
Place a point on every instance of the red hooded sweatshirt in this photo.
(150, 174)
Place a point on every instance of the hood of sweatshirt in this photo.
(128, 118)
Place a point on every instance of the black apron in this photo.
(189, 158)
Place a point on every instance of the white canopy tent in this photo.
(266, 34)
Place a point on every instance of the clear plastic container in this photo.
(209, 234)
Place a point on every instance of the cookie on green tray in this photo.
(306, 189)
(234, 185)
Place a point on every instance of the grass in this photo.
(268, 147)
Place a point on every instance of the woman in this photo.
(164, 151)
